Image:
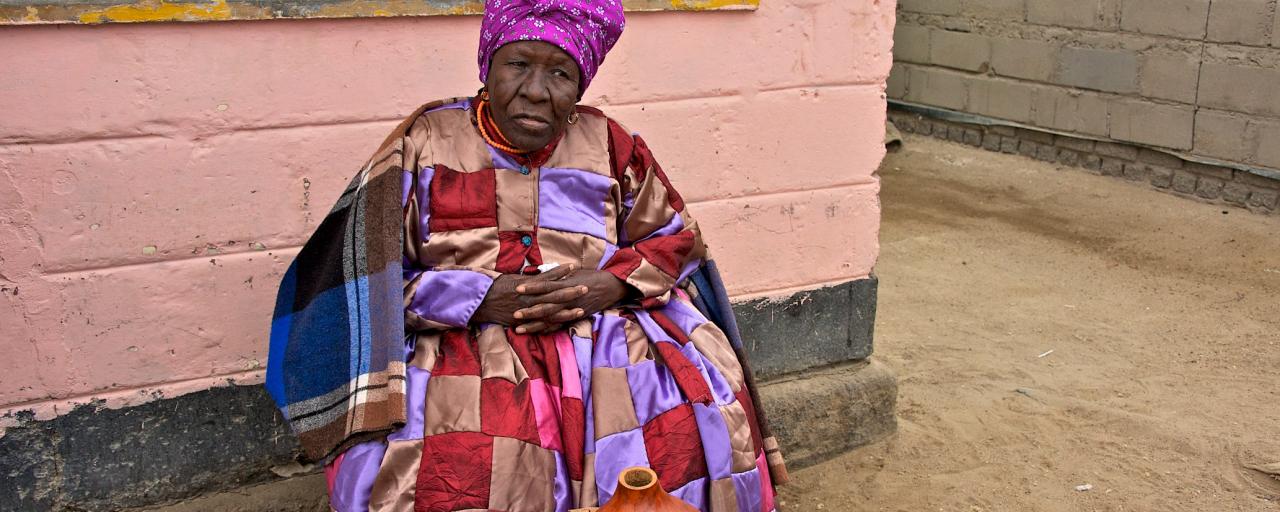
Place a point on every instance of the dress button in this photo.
(524, 170)
(526, 240)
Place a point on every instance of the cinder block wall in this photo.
(1197, 77)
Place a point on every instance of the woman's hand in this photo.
(504, 304)
(544, 302)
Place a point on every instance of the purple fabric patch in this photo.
(615, 453)
(415, 400)
(652, 330)
(564, 499)
(502, 160)
(463, 104)
(653, 390)
(685, 316)
(672, 227)
(450, 297)
(693, 493)
(589, 439)
(609, 250)
(715, 440)
(611, 343)
(573, 200)
(747, 487)
(424, 201)
(688, 269)
(406, 186)
(354, 481)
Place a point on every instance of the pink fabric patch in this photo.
(546, 409)
(570, 379)
(766, 485)
(331, 471)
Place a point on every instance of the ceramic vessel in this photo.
(639, 491)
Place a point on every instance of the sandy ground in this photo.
(1162, 315)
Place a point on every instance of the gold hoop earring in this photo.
(573, 118)
(484, 94)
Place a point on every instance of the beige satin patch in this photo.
(453, 404)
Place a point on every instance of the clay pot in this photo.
(639, 491)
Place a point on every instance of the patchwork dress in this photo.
(498, 420)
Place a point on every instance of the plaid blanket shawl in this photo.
(336, 366)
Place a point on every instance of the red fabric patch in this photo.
(621, 146)
(757, 441)
(550, 359)
(642, 162)
(687, 376)
(530, 354)
(454, 473)
(458, 354)
(669, 327)
(462, 200)
(623, 262)
(507, 410)
(667, 252)
(573, 434)
(512, 251)
(675, 448)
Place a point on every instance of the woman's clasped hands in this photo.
(546, 301)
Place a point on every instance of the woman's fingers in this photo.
(560, 296)
(547, 281)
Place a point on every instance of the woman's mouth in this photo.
(531, 124)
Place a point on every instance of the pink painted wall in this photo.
(156, 179)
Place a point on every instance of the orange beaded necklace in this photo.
(484, 121)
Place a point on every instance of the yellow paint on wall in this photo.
(159, 10)
(708, 5)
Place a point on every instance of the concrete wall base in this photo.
(817, 415)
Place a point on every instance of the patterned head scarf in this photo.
(585, 29)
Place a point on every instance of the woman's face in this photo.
(533, 86)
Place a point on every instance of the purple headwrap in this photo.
(585, 29)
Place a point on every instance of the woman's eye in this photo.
(517, 63)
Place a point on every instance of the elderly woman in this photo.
(498, 315)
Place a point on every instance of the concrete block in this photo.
(1149, 123)
(1001, 99)
(1211, 171)
(1068, 157)
(1159, 158)
(991, 141)
(1028, 148)
(1240, 21)
(1222, 135)
(809, 329)
(896, 86)
(794, 221)
(973, 137)
(1161, 177)
(1023, 58)
(1184, 182)
(958, 50)
(1070, 14)
(1240, 88)
(1091, 162)
(1074, 144)
(1256, 181)
(102, 203)
(1135, 172)
(699, 169)
(1268, 154)
(1236, 193)
(911, 44)
(1035, 135)
(1268, 199)
(1070, 110)
(1012, 10)
(1275, 32)
(1177, 18)
(938, 88)
(956, 134)
(1112, 167)
(1047, 153)
(1170, 76)
(823, 413)
(1121, 151)
(1008, 145)
(1209, 188)
(1102, 70)
(948, 7)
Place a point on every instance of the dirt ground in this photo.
(1054, 329)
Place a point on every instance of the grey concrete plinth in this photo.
(822, 413)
